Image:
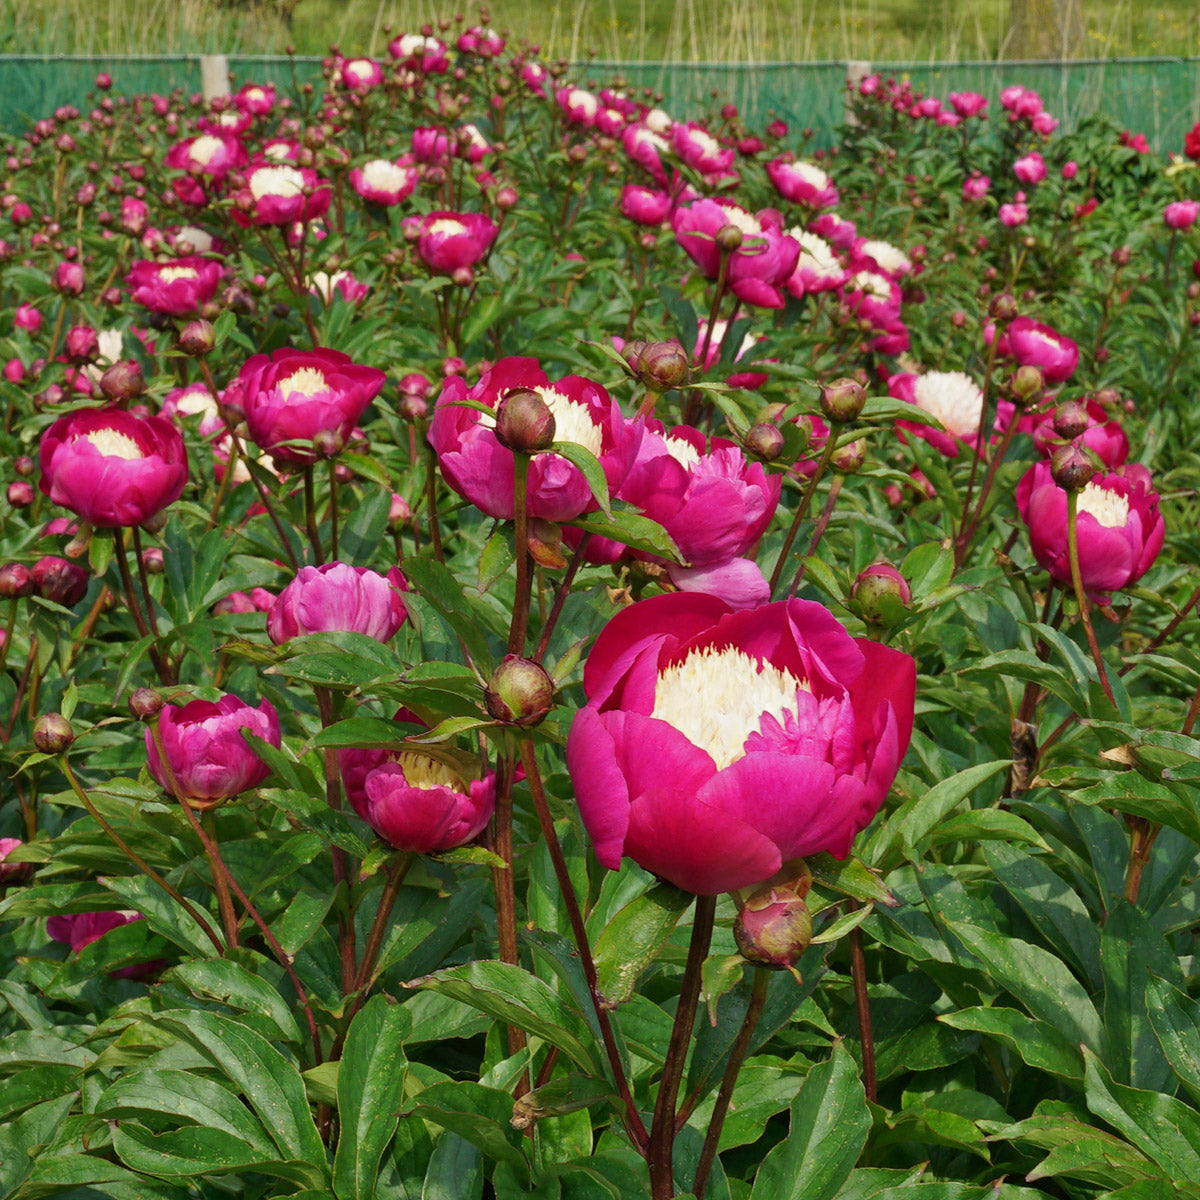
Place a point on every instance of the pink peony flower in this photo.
(210, 154)
(12, 872)
(1103, 436)
(955, 400)
(700, 150)
(480, 469)
(717, 744)
(381, 181)
(818, 269)
(579, 106)
(112, 468)
(338, 597)
(967, 104)
(645, 205)
(1014, 214)
(1035, 345)
(360, 74)
(1181, 214)
(257, 99)
(645, 146)
(26, 317)
(280, 194)
(206, 752)
(449, 241)
(1119, 528)
(976, 187)
(417, 52)
(179, 288)
(1031, 169)
(802, 183)
(294, 395)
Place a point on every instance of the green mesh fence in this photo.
(1159, 97)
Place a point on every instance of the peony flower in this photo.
(645, 146)
(1030, 169)
(1181, 214)
(360, 74)
(337, 597)
(952, 397)
(418, 52)
(257, 99)
(700, 150)
(383, 182)
(448, 241)
(26, 317)
(1103, 436)
(763, 261)
(12, 872)
(179, 288)
(716, 744)
(645, 205)
(480, 469)
(818, 269)
(967, 104)
(1035, 345)
(206, 752)
(111, 468)
(578, 105)
(802, 183)
(280, 194)
(417, 802)
(1119, 528)
(294, 395)
(210, 154)
(976, 187)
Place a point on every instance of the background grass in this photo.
(689, 30)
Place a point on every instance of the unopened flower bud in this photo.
(1026, 383)
(520, 692)
(545, 544)
(82, 344)
(774, 927)
(1121, 256)
(1003, 307)
(879, 590)
(662, 365)
(197, 338)
(23, 466)
(764, 440)
(145, 703)
(849, 458)
(399, 514)
(1071, 468)
(843, 400)
(16, 581)
(63, 582)
(20, 493)
(1071, 418)
(328, 443)
(152, 560)
(524, 422)
(729, 238)
(52, 733)
(123, 381)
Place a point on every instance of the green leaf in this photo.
(632, 939)
(1175, 1019)
(1160, 1126)
(829, 1126)
(565, 1094)
(851, 877)
(480, 1114)
(1035, 1042)
(271, 1084)
(33, 1085)
(518, 998)
(454, 1171)
(370, 1089)
(986, 825)
(229, 983)
(35, 1127)
(1039, 980)
(632, 530)
(1170, 804)
(589, 466)
(368, 468)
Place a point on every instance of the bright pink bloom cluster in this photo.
(449, 241)
(718, 744)
(179, 288)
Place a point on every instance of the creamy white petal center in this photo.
(953, 397)
(572, 422)
(1110, 509)
(171, 274)
(276, 181)
(718, 698)
(308, 381)
(205, 148)
(421, 771)
(111, 443)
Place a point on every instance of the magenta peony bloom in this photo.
(381, 181)
(338, 597)
(700, 150)
(418, 52)
(716, 745)
(976, 187)
(67, 279)
(1119, 528)
(1030, 169)
(210, 154)
(967, 104)
(257, 99)
(955, 400)
(645, 147)
(280, 194)
(1014, 214)
(1035, 345)
(448, 241)
(480, 469)
(802, 183)
(205, 749)
(578, 105)
(12, 872)
(1181, 214)
(414, 801)
(294, 395)
(818, 269)
(179, 288)
(759, 267)
(79, 930)
(26, 317)
(644, 205)
(360, 74)
(111, 468)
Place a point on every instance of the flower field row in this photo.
(554, 648)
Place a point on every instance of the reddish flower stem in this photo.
(518, 630)
(1080, 595)
(862, 1005)
(560, 596)
(826, 458)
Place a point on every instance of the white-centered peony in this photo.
(1109, 509)
(421, 771)
(279, 181)
(171, 274)
(890, 258)
(111, 443)
(953, 398)
(307, 381)
(718, 698)
(384, 176)
(205, 148)
(572, 422)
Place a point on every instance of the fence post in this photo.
(857, 69)
(214, 76)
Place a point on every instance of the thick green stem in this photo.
(520, 616)
(1085, 613)
(661, 1150)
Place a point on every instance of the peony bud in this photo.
(774, 927)
(1071, 419)
(520, 692)
(16, 581)
(82, 344)
(197, 338)
(764, 440)
(52, 733)
(843, 400)
(662, 365)
(1026, 383)
(62, 582)
(849, 458)
(123, 381)
(145, 703)
(524, 422)
(728, 238)
(1003, 307)
(20, 493)
(880, 590)
(1071, 468)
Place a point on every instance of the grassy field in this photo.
(796, 30)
